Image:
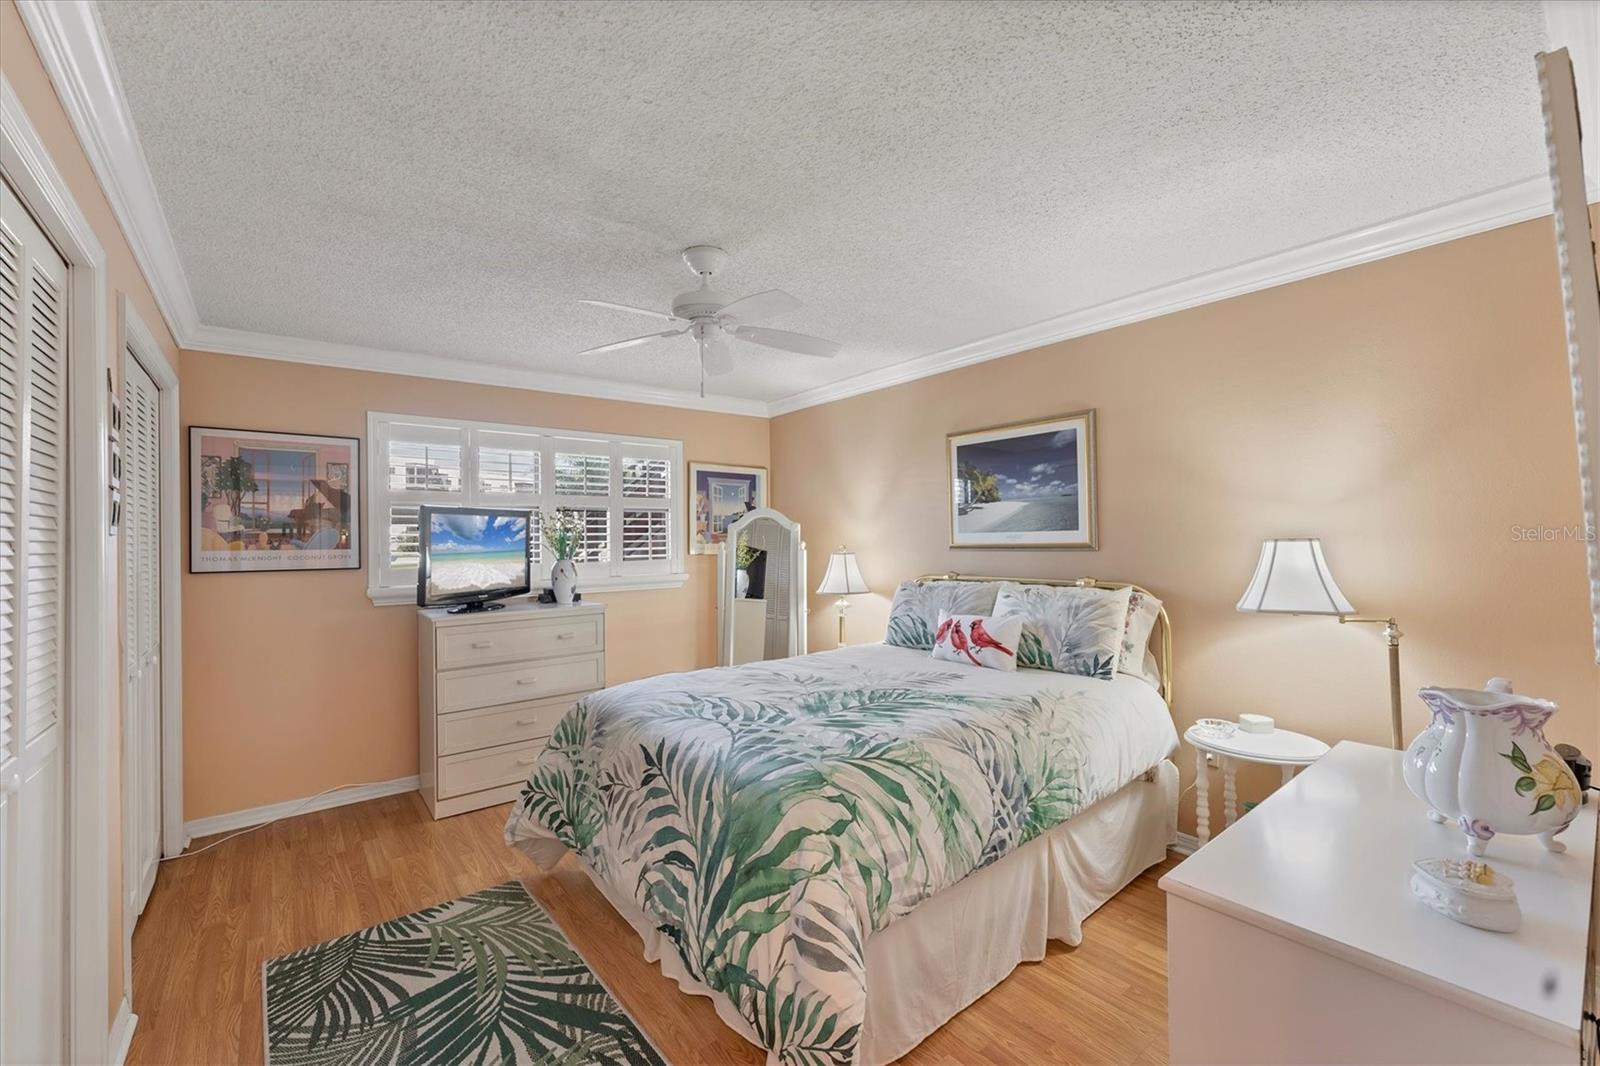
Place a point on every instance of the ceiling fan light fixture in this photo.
(711, 317)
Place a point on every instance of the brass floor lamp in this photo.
(1292, 577)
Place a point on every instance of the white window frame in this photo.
(615, 575)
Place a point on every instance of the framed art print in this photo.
(718, 495)
(1026, 485)
(273, 501)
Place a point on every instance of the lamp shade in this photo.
(843, 577)
(1292, 577)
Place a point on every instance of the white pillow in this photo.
(1069, 629)
(978, 641)
(1143, 610)
(1149, 671)
(915, 611)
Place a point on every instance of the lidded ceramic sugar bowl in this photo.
(1484, 761)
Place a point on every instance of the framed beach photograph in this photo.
(718, 495)
(1027, 485)
(273, 501)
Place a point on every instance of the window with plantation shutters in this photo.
(645, 536)
(645, 478)
(582, 468)
(624, 489)
(646, 519)
(508, 471)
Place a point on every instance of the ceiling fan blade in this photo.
(716, 355)
(630, 307)
(803, 343)
(631, 341)
(761, 305)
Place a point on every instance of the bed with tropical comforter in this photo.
(768, 818)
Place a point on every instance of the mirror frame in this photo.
(727, 567)
(1580, 291)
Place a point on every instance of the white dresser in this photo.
(1292, 937)
(491, 686)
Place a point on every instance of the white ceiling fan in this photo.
(711, 318)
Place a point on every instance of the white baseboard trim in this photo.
(1186, 844)
(121, 1037)
(223, 823)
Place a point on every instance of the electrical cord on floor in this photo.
(297, 809)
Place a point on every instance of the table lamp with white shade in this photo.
(842, 579)
(1292, 577)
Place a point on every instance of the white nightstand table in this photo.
(1288, 751)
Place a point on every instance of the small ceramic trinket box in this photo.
(1469, 892)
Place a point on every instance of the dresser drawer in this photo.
(491, 726)
(491, 686)
(480, 645)
(490, 768)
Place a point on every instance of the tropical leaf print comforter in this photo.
(768, 818)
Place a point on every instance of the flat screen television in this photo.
(471, 556)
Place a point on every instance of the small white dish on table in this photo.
(1288, 751)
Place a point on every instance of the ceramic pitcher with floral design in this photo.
(1484, 761)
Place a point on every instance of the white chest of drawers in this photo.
(491, 687)
(1292, 937)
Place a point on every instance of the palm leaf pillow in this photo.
(1070, 630)
(914, 615)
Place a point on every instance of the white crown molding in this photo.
(1499, 207)
(272, 812)
(72, 46)
(353, 357)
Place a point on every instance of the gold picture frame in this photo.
(1025, 485)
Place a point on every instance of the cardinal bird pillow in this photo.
(978, 640)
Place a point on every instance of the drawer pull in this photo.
(527, 680)
(483, 644)
(527, 762)
(565, 636)
(527, 721)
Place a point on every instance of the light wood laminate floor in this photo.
(215, 918)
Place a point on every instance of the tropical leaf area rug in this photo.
(487, 979)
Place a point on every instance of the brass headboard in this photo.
(1163, 657)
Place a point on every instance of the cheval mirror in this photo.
(761, 589)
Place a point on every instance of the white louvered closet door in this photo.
(33, 500)
(141, 649)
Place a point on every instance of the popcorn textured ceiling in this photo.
(450, 178)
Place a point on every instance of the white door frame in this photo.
(91, 582)
(138, 343)
(136, 337)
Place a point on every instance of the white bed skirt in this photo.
(927, 967)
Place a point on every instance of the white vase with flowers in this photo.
(562, 530)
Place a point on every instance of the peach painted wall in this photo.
(296, 682)
(1413, 412)
(22, 68)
